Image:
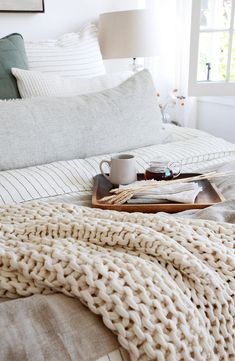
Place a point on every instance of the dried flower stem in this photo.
(122, 195)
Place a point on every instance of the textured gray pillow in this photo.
(40, 130)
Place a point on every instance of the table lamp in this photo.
(128, 34)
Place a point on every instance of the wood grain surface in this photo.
(209, 196)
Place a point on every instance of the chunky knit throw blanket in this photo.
(164, 285)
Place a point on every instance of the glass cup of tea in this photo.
(163, 170)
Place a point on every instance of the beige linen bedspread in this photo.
(52, 328)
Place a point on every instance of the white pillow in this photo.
(37, 84)
(72, 55)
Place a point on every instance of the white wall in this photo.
(60, 16)
(217, 116)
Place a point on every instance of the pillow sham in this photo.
(12, 54)
(42, 130)
(36, 84)
(72, 55)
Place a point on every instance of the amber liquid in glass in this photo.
(155, 173)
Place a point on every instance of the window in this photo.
(212, 48)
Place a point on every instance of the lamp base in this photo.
(136, 67)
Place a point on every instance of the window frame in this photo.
(207, 88)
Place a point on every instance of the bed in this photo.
(78, 283)
(56, 326)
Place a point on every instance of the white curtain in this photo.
(170, 69)
(162, 66)
(188, 113)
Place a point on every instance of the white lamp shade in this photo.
(128, 34)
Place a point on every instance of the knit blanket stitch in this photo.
(164, 285)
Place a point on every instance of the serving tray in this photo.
(208, 196)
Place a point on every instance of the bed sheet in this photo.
(200, 151)
(73, 179)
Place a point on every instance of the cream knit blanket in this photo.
(164, 285)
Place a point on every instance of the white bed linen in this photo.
(38, 84)
(71, 55)
(72, 181)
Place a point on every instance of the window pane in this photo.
(213, 52)
(215, 14)
(232, 69)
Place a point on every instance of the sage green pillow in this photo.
(12, 55)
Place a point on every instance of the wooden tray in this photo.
(207, 197)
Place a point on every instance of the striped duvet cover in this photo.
(72, 180)
(116, 355)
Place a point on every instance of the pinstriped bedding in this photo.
(73, 179)
(116, 355)
(71, 55)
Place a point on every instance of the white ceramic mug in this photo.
(122, 169)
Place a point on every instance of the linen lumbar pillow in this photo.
(73, 54)
(43, 130)
(12, 54)
(36, 84)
